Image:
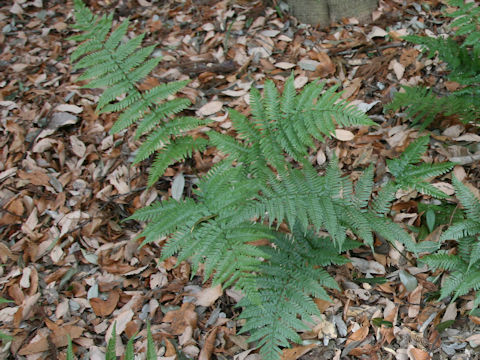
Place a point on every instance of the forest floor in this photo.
(71, 266)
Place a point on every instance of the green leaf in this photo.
(379, 322)
(374, 280)
(111, 353)
(70, 354)
(430, 217)
(151, 352)
(444, 325)
(409, 281)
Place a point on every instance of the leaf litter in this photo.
(71, 267)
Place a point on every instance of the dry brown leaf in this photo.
(284, 65)
(59, 338)
(474, 339)
(417, 354)
(182, 318)
(69, 108)
(208, 296)
(209, 345)
(121, 321)
(450, 312)
(105, 307)
(359, 335)
(414, 298)
(210, 108)
(296, 352)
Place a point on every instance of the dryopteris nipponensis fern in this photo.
(265, 181)
(248, 195)
(284, 285)
(462, 57)
(464, 266)
(118, 67)
(411, 175)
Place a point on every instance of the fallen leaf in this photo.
(398, 69)
(468, 137)
(414, 298)
(474, 340)
(105, 307)
(209, 345)
(359, 335)
(377, 32)
(450, 312)
(296, 352)
(208, 296)
(417, 354)
(69, 108)
(182, 318)
(285, 65)
(343, 135)
(121, 321)
(210, 108)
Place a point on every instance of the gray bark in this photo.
(323, 12)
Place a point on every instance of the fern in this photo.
(411, 176)
(118, 67)
(461, 53)
(465, 265)
(265, 182)
(284, 286)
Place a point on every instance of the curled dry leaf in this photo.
(182, 318)
(105, 307)
(209, 345)
(417, 354)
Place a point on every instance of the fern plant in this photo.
(254, 190)
(409, 174)
(119, 67)
(461, 53)
(464, 266)
(265, 188)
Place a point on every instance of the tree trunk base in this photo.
(324, 12)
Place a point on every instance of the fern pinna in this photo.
(464, 266)
(461, 54)
(119, 67)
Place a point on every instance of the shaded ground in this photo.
(69, 263)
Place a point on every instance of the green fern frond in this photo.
(461, 54)
(129, 350)
(444, 261)
(161, 136)
(411, 155)
(467, 199)
(410, 176)
(382, 203)
(119, 67)
(285, 284)
(151, 353)
(177, 150)
(70, 354)
(111, 353)
(451, 283)
(364, 188)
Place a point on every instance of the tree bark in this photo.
(324, 12)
